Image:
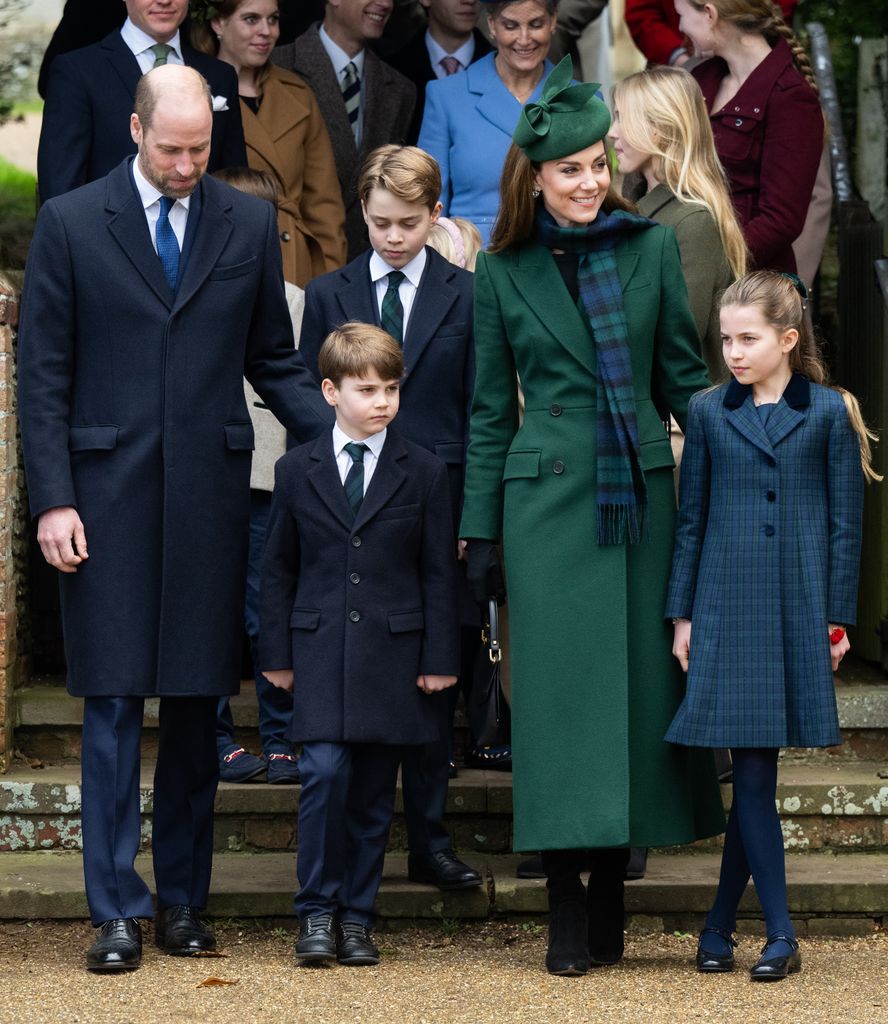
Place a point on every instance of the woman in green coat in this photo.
(586, 302)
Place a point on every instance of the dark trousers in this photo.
(182, 819)
(345, 813)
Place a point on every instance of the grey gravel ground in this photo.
(481, 973)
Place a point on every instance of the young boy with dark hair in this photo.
(359, 617)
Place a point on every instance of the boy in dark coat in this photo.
(359, 604)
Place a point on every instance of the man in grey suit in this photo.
(365, 102)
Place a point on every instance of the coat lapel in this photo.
(387, 478)
(433, 300)
(121, 58)
(495, 103)
(740, 413)
(791, 410)
(357, 297)
(324, 477)
(204, 248)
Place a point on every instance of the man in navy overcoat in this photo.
(149, 295)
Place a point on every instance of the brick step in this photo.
(836, 806)
(828, 893)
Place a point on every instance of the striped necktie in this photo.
(392, 313)
(167, 243)
(161, 53)
(354, 480)
(351, 94)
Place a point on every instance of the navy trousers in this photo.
(345, 813)
(182, 820)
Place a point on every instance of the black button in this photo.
(285, 236)
(769, 530)
(355, 616)
(771, 495)
(355, 578)
(356, 542)
(558, 467)
(555, 410)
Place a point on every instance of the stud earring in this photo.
(535, 193)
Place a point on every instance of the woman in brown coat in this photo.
(283, 130)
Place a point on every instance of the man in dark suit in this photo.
(89, 98)
(149, 295)
(365, 102)
(449, 44)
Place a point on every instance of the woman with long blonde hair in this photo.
(661, 131)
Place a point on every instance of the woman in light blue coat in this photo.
(469, 117)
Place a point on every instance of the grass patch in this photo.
(17, 213)
(27, 107)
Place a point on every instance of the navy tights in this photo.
(753, 846)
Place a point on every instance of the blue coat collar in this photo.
(797, 394)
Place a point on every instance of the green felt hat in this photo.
(565, 119)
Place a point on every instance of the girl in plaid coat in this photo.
(764, 581)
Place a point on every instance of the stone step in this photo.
(842, 805)
(828, 893)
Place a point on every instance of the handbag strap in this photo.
(491, 634)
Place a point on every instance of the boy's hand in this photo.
(681, 643)
(282, 678)
(839, 650)
(434, 684)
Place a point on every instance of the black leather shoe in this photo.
(716, 963)
(567, 954)
(118, 946)
(179, 931)
(316, 942)
(354, 947)
(776, 968)
(444, 869)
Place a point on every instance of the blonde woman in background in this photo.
(457, 240)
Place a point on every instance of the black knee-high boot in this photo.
(568, 952)
(604, 908)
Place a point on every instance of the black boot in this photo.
(605, 911)
(568, 952)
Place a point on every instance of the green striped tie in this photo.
(392, 317)
(354, 479)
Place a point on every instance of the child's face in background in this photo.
(364, 405)
(398, 229)
(755, 351)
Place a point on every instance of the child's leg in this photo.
(733, 878)
(366, 822)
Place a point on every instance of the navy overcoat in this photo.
(132, 408)
(767, 554)
(361, 608)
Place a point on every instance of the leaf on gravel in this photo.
(212, 981)
(209, 953)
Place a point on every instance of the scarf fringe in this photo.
(619, 523)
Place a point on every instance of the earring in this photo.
(535, 193)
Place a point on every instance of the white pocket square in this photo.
(220, 103)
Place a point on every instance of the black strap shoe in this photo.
(443, 869)
(316, 942)
(716, 963)
(180, 931)
(118, 946)
(776, 968)
(355, 947)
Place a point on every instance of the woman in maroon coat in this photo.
(765, 115)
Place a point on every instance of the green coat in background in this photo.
(594, 683)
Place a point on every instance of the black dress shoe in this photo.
(179, 931)
(605, 909)
(118, 946)
(716, 963)
(316, 943)
(355, 948)
(567, 954)
(776, 968)
(444, 869)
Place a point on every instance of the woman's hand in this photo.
(282, 678)
(681, 642)
(434, 684)
(839, 650)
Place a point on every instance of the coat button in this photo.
(771, 495)
(737, 109)
(768, 531)
(285, 236)
(738, 122)
(555, 410)
(355, 577)
(356, 542)
(756, 110)
(355, 616)
(558, 467)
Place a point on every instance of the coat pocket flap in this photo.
(398, 512)
(99, 438)
(233, 270)
(304, 618)
(240, 436)
(451, 452)
(406, 622)
(520, 465)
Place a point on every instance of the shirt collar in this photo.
(338, 57)
(412, 270)
(139, 41)
(147, 192)
(437, 52)
(341, 439)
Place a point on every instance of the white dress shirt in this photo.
(344, 461)
(151, 204)
(340, 61)
(437, 53)
(379, 271)
(140, 43)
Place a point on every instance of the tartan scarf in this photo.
(622, 495)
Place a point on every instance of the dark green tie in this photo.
(354, 479)
(161, 52)
(392, 311)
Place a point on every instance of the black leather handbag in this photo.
(488, 711)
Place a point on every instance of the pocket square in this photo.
(220, 103)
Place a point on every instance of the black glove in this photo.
(485, 572)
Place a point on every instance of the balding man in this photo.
(149, 295)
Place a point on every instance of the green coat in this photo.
(594, 684)
(703, 262)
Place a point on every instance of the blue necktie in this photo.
(167, 245)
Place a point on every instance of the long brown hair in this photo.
(203, 37)
(514, 222)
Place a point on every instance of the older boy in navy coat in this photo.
(426, 304)
(359, 616)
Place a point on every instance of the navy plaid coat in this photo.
(767, 553)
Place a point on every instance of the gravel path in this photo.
(483, 973)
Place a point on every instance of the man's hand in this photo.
(62, 538)
(681, 644)
(434, 684)
(282, 678)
